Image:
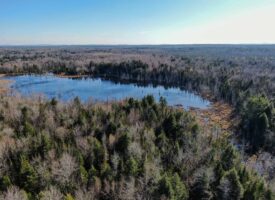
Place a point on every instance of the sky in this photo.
(58, 22)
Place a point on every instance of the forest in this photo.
(138, 149)
(242, 76)
(127, 150)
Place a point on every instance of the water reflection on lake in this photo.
(100, 90)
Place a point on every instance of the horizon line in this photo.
(172, 44)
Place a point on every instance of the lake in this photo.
(97, 89)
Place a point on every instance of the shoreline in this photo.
(204, 95)
(4, 85)
(218, 113)
(63, 75)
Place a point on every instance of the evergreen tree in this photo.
(5, 182)
(123, 143)
(172, 187)
(230, 187)
(28, 177)
(256, 119)
(201, 189)
(229, 158)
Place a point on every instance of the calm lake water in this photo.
(100, 90)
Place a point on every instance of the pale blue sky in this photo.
(136, 21)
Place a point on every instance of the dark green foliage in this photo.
(172, 187)
(83, 175)
(5, 182)
(202, 189)
(98, 153)
(106, 171)
(229, 158)
(111, 129)
(132, 167)
(162, 102)
(27, 176)
(54, 102)
(245, 176)
(44, 144)
(230, 186)
(129, 149)
(256, 119)
(169, 126)
(257, 190)
(93, 172)
(123, 143)
(28, 129)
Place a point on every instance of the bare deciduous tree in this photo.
(64, 169)
(51, 194)
(13, 193)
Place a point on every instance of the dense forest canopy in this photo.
(128, 150)
(138, 149)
